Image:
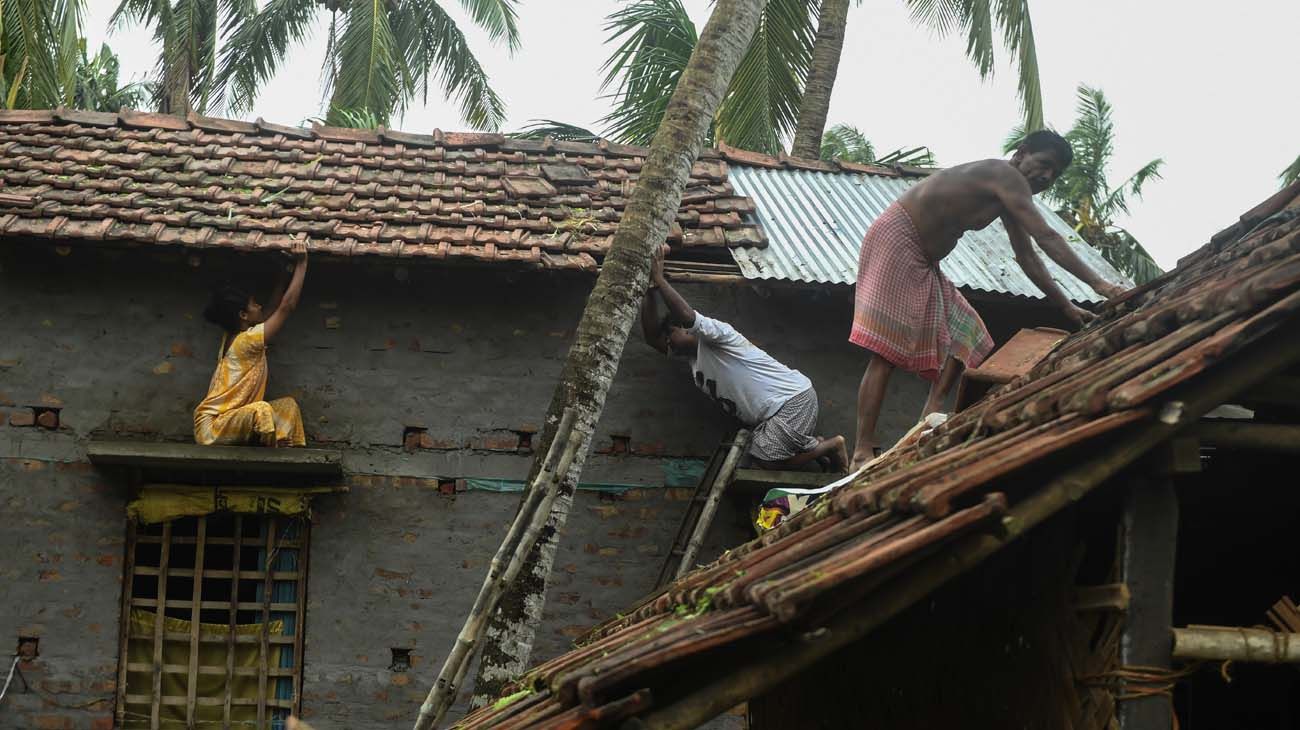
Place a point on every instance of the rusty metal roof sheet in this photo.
(1200, 334)
(815, 221)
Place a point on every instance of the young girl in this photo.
(234, 411)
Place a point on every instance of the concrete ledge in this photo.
(759, 481)
(175, 457)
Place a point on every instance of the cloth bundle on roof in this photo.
(781, 502)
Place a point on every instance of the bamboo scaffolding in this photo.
(1237, 644)
(505, 567)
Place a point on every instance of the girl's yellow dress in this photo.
(234, 411)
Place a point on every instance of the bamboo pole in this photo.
(196, 603)
(1231, 643)
(503, 570)
(1274, 437)
(775, 664)
(710, 507)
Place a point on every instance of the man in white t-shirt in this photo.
(778, 404)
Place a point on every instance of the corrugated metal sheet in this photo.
(815, 222)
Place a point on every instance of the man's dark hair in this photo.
(666, 324)
(1046, 139)
(225, 306)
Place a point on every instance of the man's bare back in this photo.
(956, 200)
(943, 207)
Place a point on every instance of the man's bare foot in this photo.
(863, 455)
(840, 457)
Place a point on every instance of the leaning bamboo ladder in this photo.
(702, 508)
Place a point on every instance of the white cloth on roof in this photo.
(747, 382)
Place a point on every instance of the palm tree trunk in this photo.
(610, 312)
(816, 102)
(174, 97)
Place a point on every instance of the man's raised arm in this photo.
(1014, 193)
(650, 322)
(681, 312)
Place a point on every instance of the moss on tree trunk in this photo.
(610, 312)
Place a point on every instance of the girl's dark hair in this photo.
(223, 309)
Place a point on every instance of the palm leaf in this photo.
(1013, 139)
(979, 36)
(1018, 36)
(654, 42)
(913, 157)
(432, 45)
(848, 143)
(761, 106)
(1291, 173)
(370, 62)
(497, 17)
(1129, 257)
(1117, 200)
(255, 49)
(97, 86)
(977, 18)
(944, 16)
(543, 128)
(40, 43)
(353, 118)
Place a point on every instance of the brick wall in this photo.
(415, 373)
(60, 582)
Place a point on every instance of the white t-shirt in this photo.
(747, 382)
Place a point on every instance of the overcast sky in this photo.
(1213, 93)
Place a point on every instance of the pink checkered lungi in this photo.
(905, 309)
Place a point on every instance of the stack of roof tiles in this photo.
(204, 182)
(1241, 287)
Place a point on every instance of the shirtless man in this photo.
(908, 314)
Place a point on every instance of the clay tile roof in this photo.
(1157, 359)
(138, 177)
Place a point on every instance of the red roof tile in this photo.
(1119, 387)
(203, 182)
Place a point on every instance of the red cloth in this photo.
(905, 309)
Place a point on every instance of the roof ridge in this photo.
(133, 119)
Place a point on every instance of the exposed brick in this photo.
(391, 574)
(497, 442)
(53, 722)
(656, 448)
(104, 722)
(23, 417)
(60, 686)
(48, 419)
(415, 440)
(49, 576)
